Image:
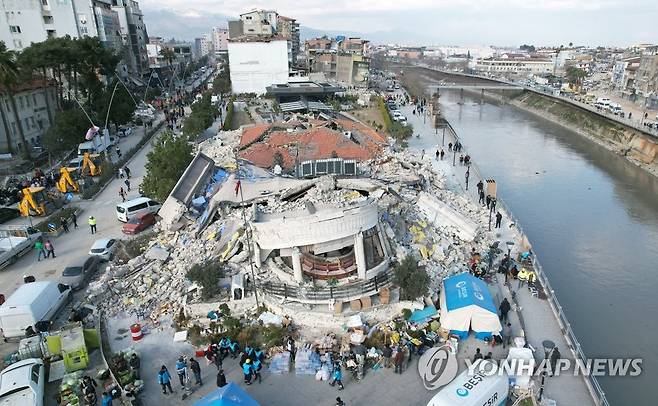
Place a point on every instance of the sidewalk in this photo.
(534, 314)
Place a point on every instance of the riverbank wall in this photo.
(639, 148)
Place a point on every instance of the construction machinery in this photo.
(35, 202)
(66, 183)
(90, 165)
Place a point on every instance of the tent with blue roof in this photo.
(229, 395)
(466, 304)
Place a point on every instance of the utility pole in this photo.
(244, 219)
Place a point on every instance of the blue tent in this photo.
(466, 304)
(230, 395)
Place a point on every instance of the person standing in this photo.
(134, 365)
(555, 356)
(481, 199)
(478, 355)
(50, 249)
(164, 379)
(437, 154)
(499, 219)
(504, 308)
(65, 225)
(196, 370)
(507, 334)
(181, 371)
(121, 173)
(256, 367)
(92, 224)
(122, 194)
(442, 153)
(74, 219)
(292, 349)
(480, 186)
(398, 360)
(246, 371)
(221, 379)
(387, 353)
(127, 171)
(38, 246)
(338, 377)
(127, 182)
(118, 150)
(450, 146)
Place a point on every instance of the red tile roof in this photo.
(252, 134)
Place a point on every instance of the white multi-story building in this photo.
(259, 22)
(202, 46)
(34, 114)
(513, 65)
(220, 39)
(117, 23)
(256, 63)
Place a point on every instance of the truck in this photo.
(16, 241)
(474, 388)
(92, 147)
(30, 304)
(23, 383)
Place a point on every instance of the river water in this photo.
(592, 218)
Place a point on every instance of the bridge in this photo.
(479, 87)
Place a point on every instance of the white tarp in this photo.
(442, 215)
(523, 355)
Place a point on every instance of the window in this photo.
(34, 99)
(27, 124)
(15, 29)
(13, 128)
(20, 102)
(44, 2)
(27, 100)
(18, 43)
(32, 122)
(48, 19)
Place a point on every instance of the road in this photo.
(78, 241)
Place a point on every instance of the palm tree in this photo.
(8, 78)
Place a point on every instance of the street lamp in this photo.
(548, 349)
(468, 173)
(509, 244)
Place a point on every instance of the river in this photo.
(592, 218)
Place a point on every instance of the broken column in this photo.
(297, 264)
(257, 260)
(360, 255)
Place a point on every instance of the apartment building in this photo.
(288, 28)
(646, 81)
(202, 46)
(514, 64)
(259, 22)
(341, 59)
(33, 114)
(623, 74)
(117, 23)
(220, 38)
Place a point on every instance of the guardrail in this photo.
(592, 383)
(322, 294)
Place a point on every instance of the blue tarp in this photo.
(466, 290)
(230, 395)
(421, 316)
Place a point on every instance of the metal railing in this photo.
(592, 383)
(321, 294)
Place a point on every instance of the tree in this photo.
(575, 75)
(411, 278)
(34, 59)
(165, 165)
(8, 79)
(67, 131)
(207, 275)
(121, 109)
(527, 48)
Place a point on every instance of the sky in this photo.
(430, 22)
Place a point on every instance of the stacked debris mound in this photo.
(221, 148)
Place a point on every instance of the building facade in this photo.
(220, 39)
(257, 63)
(33, 114)
(646, 81)
(259, 22)
(202, 46)
(133, 31)
(288, 28)
(513, 65)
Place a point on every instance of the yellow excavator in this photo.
(35, 202)
(90, 165)
(66, 183)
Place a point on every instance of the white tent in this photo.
(524, 357)
(466, 304)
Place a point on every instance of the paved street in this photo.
(78, 241)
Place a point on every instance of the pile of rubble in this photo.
(155, 283)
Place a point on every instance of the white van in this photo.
(22, 383)
(31, 303)
(478, 389)
(131, 208)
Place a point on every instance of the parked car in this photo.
(124, 131)
(79, 271)
(22, 383)
(139, 223)
(103, 248)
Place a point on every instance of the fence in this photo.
(592, 383)
(324, 294)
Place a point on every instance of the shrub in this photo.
(207, 275)
(411, 278)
